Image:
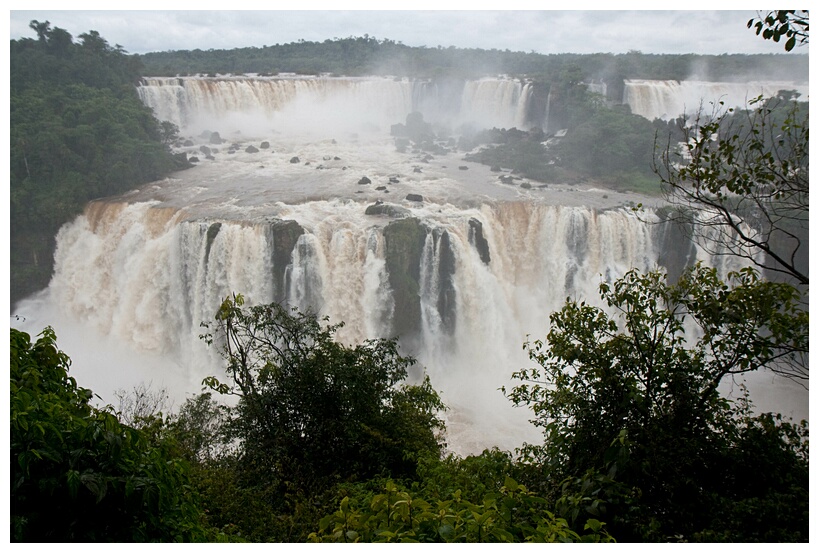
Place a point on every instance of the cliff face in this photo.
(675, 249)
(284, 236)
(404, 245)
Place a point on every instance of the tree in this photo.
(312, 410)
(741, 181)
(744, 177)
(633, 398)
(141, 405)
(77, 472)
(41, 28)
(791, 24)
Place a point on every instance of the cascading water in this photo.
(496, 103)
(463, 276)
(671, 99)
(263, 103)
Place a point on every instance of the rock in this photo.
(264, 145)
(416, 169)
(210, 157)
(204, 149)
(676, 252)
(506, 179)
(215, 138)
(463, 168)
(251, 149)
(477, 239)
(390, 210)
(495, 169)
(336, 158)
(416, 128)
(193, 159)
(393, 180)
(415, 197)
(403, 248)
(380, 187)
(188, 143)
(364, 180)
(284, 235)
(213, 230)
(294, 159)
(526, 185)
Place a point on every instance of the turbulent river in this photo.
(464, 275)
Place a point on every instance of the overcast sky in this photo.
(153, 29)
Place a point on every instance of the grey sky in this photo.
(551, 31)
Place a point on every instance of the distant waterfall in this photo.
(284, 104)
(496, 103)
(318, 103)
(670, 99)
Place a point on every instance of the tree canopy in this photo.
(630, 406)
(80, 475)
(742, 178)
(302, 395)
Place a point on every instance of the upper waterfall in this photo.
(300, 105)
(671, 99)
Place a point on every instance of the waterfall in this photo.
(546, 127)
(149, 275)
(463, 276)
(299, 104)
(670, 99)
(495, 103)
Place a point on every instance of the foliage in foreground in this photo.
(639, 444)
(302, 394)
(634, 421)
(77, 473)
(511, 515)
(312, 415)
(743, 177)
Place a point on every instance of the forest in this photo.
(327, 442)
(367, 55)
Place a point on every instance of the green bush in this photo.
(77, 473)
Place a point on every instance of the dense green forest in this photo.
(371, 56)
(326, 442)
